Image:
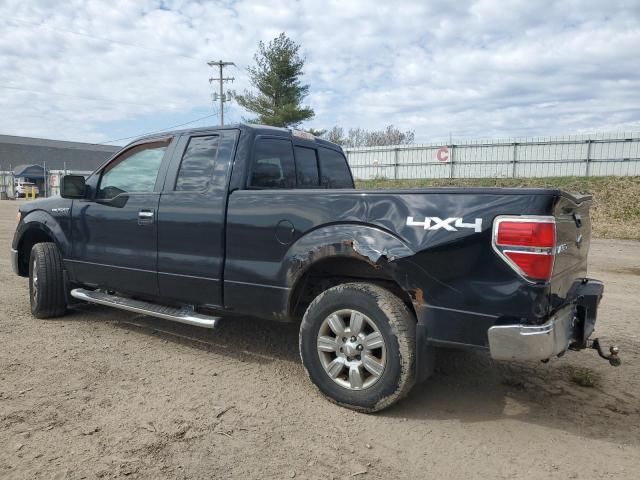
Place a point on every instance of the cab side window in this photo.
(273, 165)
(135, 171)
(198, 161)
(334, 171)
(306, 167)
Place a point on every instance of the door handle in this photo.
(145, 217)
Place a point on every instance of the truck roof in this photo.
(254, 127)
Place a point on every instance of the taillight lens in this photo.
(535, 266)
(527, 234)
(527, 244)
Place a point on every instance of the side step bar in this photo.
(182, 315)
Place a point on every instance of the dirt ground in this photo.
(103, 393)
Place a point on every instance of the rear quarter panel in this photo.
(452, 273)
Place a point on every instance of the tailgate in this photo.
(573, 238)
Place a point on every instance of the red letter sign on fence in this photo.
(442, 154)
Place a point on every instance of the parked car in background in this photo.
(24, 188)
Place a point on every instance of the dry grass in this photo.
(584, 377)
(616, 200)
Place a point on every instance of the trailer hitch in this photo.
(613, 357)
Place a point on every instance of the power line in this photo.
(104, 39)
(148, 133)
(83, 144)
(94, 99)
(158, 131)
(106, 100)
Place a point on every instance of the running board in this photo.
(182, 315)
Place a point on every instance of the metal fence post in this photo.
(515, 159)
(452, 148)
(395, 163)
(588, 169)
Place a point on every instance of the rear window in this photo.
(306, 167)
(197, 164)
(273, 165)
(334, 172)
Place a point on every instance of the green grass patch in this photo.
(584, 377)
(616, 200)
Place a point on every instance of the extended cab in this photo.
(251, 220)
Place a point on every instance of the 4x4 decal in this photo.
(436, 223)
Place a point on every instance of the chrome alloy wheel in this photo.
(351, 349)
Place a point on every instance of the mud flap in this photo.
(425, 354)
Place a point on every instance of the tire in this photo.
(46, 281)
(323, 350)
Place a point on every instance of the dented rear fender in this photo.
(375, 246)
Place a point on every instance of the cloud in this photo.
(95, 70)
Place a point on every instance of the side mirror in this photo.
(72, 186)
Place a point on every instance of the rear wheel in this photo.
(46, 281)
(357, 343)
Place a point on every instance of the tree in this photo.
(389, 136)
(335, 135)
(359, 137)
(316, 132)
(276, 77)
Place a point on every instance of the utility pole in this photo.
(222, 97)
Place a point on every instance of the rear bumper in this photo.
(570, 326)
(533, 342)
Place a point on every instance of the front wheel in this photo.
(357, 343)
(46, 281)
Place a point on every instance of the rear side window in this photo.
(306, 167)
(334, 172)
(197, 164)
(273, 165)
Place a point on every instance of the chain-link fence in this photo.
(586, 155)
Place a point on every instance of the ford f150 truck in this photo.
(257, 221)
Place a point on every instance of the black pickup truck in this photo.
(249, 220)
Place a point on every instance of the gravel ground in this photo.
(103, 393)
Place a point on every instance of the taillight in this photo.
(527, 244)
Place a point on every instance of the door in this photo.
(115, 231)
(262, 222)
(191, 218)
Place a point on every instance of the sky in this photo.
(102, 71)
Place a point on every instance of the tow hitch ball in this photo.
(613, 357)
